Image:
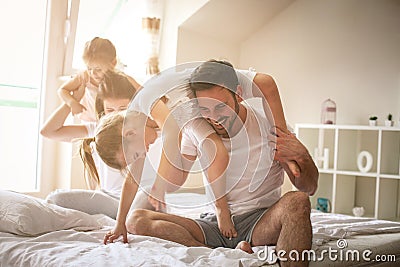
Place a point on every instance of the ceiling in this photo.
(233, 20)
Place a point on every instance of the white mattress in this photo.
(74, 248)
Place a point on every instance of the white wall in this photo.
(193, 46)
(346, 50)
(175, 13)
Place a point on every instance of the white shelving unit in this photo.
(342, 180)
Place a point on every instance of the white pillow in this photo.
(29, 216)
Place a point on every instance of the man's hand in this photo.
(296, 160)
(286, 152)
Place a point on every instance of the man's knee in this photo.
(297, 202)
(138, 221)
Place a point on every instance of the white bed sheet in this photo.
(73, 248)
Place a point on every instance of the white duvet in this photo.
(73, 248)
(328, 226)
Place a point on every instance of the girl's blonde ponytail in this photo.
(91, 174)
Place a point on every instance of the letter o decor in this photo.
(368, 161)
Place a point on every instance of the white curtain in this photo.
(151, 28)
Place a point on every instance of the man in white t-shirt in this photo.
(253, 178)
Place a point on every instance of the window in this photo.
(23, 40)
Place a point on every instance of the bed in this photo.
(35, 233)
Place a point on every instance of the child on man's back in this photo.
(99, 56)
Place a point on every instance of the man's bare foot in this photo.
(245, 246)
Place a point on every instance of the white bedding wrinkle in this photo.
(328, 226)
(29, 216)
(72, 248)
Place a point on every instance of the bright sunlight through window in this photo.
(120, 21)
(21, 53)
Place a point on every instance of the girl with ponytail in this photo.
(104, 182)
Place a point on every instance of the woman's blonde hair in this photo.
(100, 51)
(109, 135)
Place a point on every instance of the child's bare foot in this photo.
(225, 224)
(245, 246)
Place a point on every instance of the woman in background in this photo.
(105, 183)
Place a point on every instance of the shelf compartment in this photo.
(324, 189)
(390, 157)
(316, 140)
(388, 199)
(351, 143)
(345, 194)
(366, 194)
(342, 181)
